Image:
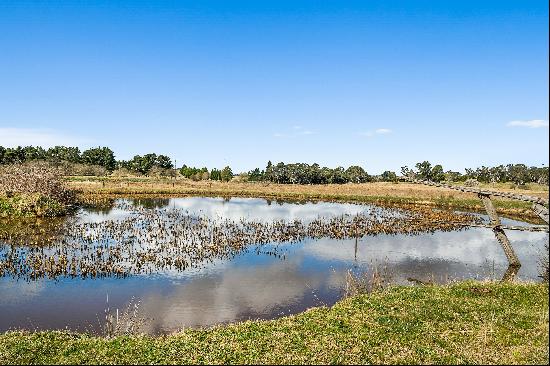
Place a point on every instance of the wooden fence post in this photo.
(499, 233)
(541, 211)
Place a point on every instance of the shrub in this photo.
(124, 172)
(68, 168)
(35, 189)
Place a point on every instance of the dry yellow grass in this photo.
(379, 192)
(185, 186)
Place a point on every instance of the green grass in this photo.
(469, 322)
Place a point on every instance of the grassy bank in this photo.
(464, 323)
(376, 193)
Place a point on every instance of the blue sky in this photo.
(379, 84)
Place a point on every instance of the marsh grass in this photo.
(361, 282)
(127, 322)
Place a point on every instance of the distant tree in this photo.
(36, 153)
(388, 176)
(226, 174)
(437, 175)
(255, 175)
(356, 174)
(14, 155)
(518, 173)
(424, 170)
(452, 176)
(427, 172)
(269, 171)
(406, 171)
(58, 154)
(102, 156)
(338, 176)
(215, 174)
(164, 162)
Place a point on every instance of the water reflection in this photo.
(151, 202)
(255, 283)
(147, 241)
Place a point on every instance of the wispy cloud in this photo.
(13, 137)
(379, 131)
(534, 123)
(296, 131)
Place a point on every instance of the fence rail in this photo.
(539, 206)
(515, 196)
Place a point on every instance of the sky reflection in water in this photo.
(253, 285)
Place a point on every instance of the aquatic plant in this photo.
(124, 323)
(365, 282)
(151, 239)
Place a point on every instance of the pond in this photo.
(278, 258)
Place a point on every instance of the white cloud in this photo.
(13, 137)
(534, 123)
(296, 131)
(379, 131)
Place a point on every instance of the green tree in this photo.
(226, 174)
(215, 174)
(164, 162)
(255, 175)
(102, 156)
(58, 154)
(388, 176)
(356, 174)
(427, 172)
(269, 171)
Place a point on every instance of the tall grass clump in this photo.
(33, 189)
(364, 282)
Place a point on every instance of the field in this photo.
(471, 322)
(379, 192)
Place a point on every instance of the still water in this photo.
(255, 283)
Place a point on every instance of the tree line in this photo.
(519, 174)
(224, 175)
(102, 157)
(296, 173)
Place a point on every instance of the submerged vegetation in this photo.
(471, 322)
(152, 240)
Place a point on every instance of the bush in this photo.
(33, 189)
(68, 168)
(161, 172)
(124, 172)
